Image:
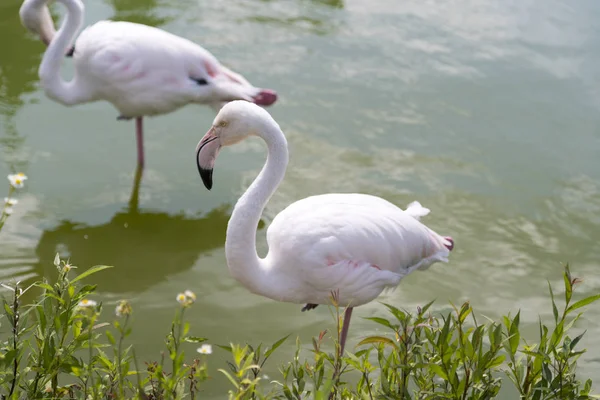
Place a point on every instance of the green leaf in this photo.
(362, 352)
(477, 336)
(546, 373)
(257, 353)
(194, 339)
(111, 338)
(44, 285)
(41, 315)
(496, 361)
(576, 340)
(400, 315)
(587, 387)
(104, 359)
(8, 309)
(583, 303)
(91, 271)
(55, 297)
(497, 341)
(443, 336)
(438, 371)
(274, 347)
(465, 310)
(570, 324)
(76, 328)
(568, 288)
(287, 393)
(557, 334)
(382, 321)
(86, 290)
(554, 309)
(426, 307)
(227, 348)
(543, 336)
(376, 340)
(515, 337)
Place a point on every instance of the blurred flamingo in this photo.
(141, 70)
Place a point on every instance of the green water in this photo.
(484, 111)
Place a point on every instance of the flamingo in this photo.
(140, 70)
(353, 244)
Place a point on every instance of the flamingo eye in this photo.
(223, 124)
(200, 81)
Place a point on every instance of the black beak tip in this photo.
(206, 175)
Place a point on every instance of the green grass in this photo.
(62, 347)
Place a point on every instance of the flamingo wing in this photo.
(356, 242)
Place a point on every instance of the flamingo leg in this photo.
(134, 200)
(139, 132)
(345, 327)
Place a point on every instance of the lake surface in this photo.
(484, 111)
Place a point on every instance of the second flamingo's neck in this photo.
(72, 92)
(240, 246)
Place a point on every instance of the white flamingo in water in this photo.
(355, 244)
(141, 70)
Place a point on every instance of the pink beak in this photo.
(266, 97)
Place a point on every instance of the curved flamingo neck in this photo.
(72, 92)
(240, 245)
(35, 16)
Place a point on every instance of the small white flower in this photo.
(87, 303)
(205, 349)
(10, 202)
(181, 298)
(8, 210)
(17, 180)
(123, 308)
(190, 295)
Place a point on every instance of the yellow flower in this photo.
(186, 298)
(205, 349)
(17, 180)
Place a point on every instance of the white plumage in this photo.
(353, 244)
(146, 71)
(357, 243)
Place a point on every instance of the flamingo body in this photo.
(141, 70)
(145, 71)
(353, 244)
(357, 244)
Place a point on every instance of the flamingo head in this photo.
(235, 121)
(37, 20)
(221, 85)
